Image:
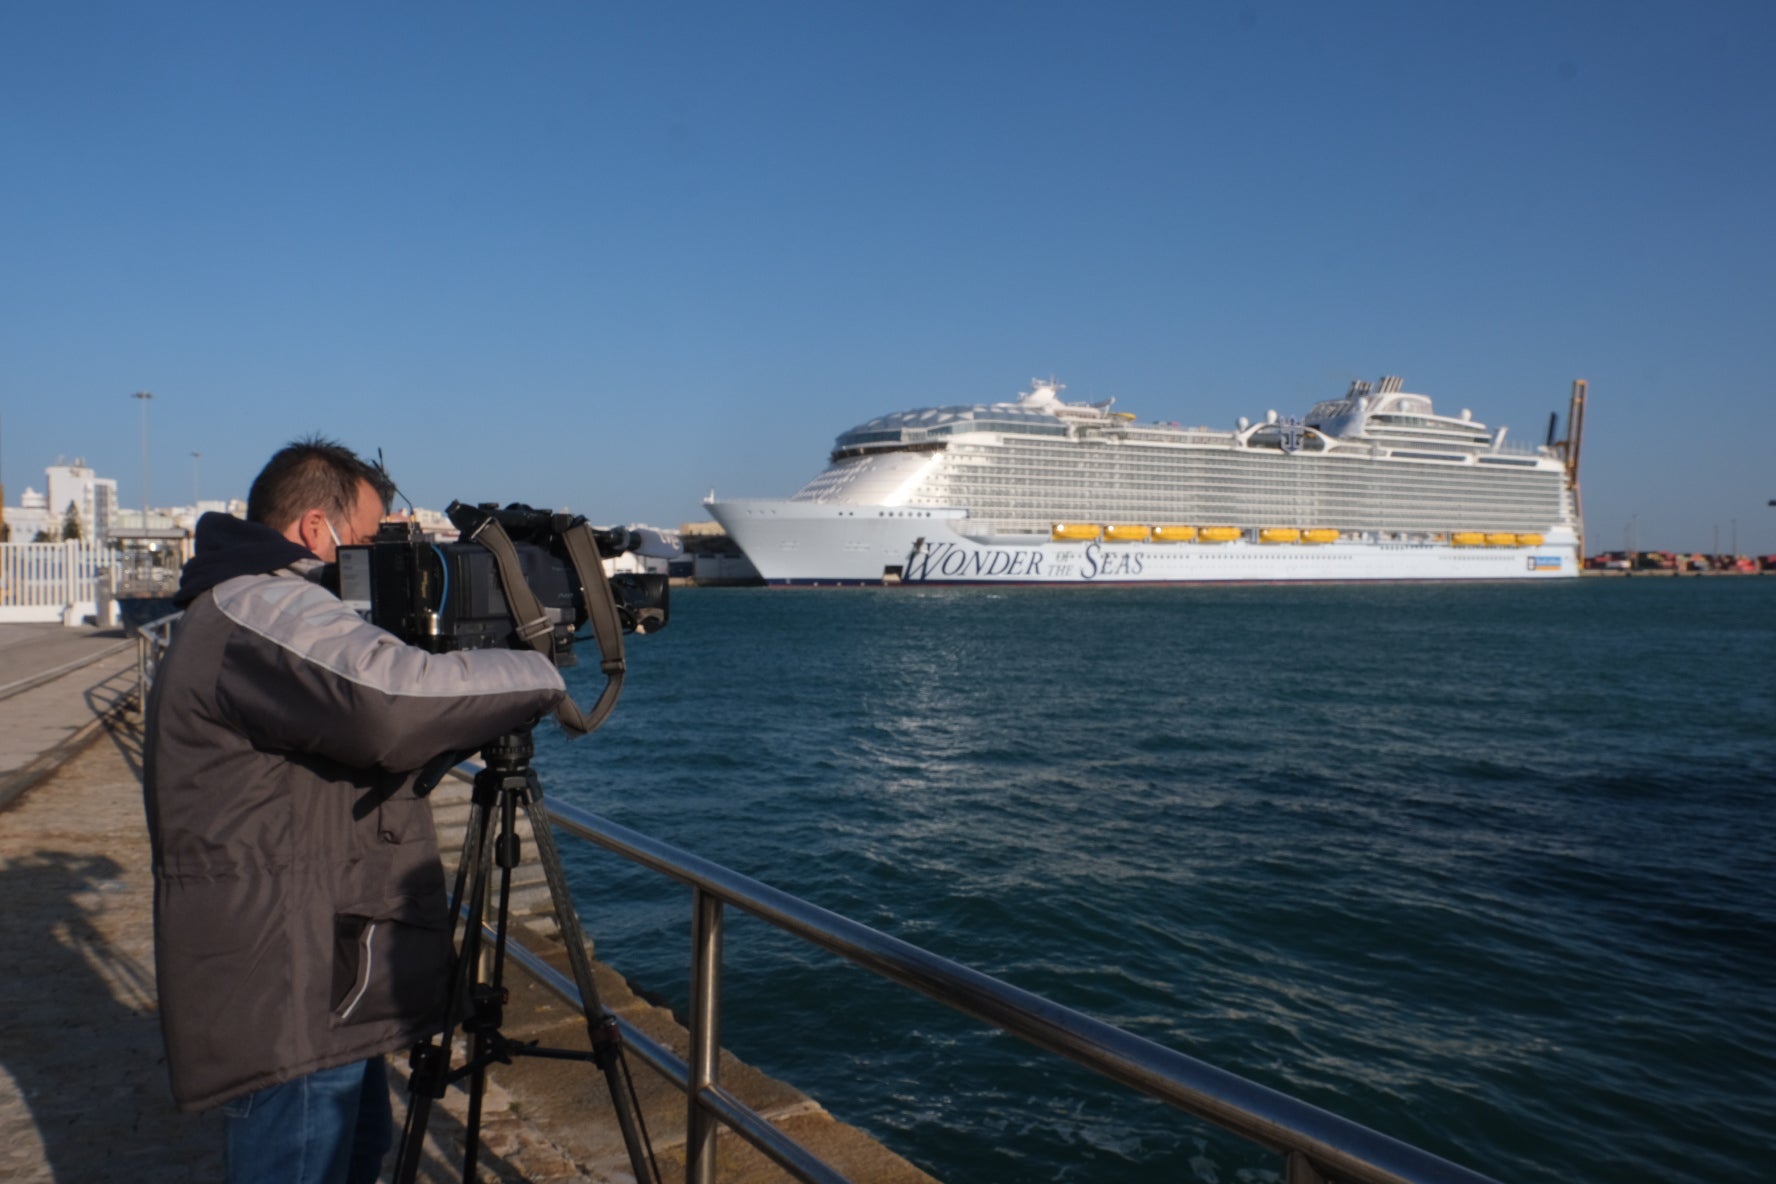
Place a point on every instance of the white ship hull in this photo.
(800, 543)
(1371, 486)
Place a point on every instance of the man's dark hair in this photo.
(313, 474)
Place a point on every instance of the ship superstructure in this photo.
(1372, 485)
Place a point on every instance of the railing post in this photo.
(71, 572)
(704, 1061)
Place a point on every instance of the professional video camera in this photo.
(519, 578)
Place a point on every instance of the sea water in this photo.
(1489, 868)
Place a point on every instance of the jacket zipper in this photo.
(369, 965)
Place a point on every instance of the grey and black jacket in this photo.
(300, 909)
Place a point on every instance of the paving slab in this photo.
(56, 686)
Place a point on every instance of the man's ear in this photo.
(311, 528)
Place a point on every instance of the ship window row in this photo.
(1273, 489)
(1294, 471)
(1492, 484)
(976, 494)
(1169, 508)
(1209, 482)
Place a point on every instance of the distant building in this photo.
(29, 516)
(711, 557)
(93, 497)
(433, 522)
(185, 517)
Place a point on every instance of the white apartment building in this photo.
(93, 497)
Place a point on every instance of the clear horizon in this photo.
(609, 258)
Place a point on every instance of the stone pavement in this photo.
(83, 1093)
(55, 686)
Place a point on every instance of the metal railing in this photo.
(1317, 1147)
(152, 640)
(42, 581)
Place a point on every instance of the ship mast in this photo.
(1569, 451)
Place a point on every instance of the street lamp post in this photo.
(144, 396)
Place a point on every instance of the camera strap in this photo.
(607, 630)
(532, 622)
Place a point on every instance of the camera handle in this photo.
(533, 623)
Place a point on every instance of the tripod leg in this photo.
(601, 1027)
(490, 998)
(431, 1061)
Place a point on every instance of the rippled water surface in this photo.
(1489, 868)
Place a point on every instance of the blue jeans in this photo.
(330, 1127)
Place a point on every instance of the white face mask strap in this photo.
(336, 543)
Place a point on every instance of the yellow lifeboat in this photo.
(1319, 535)
(1174, 534)
(1076, 531)
(1126, 534)
(1279, 534)
(1218, 534)
(1501, 539)
(1529, 540)
(1124, 416)
(1468, 538)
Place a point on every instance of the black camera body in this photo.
(451, 596)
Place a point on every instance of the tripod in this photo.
(478, 1003)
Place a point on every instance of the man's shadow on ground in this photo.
(78, 1032)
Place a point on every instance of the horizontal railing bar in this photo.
(770, 1142)
(658, 1057)
(785, 1152)
(1340, 1147)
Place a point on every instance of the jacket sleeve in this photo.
(304, 673)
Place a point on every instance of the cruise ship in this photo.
(1373, 485)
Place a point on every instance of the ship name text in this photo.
(952, 561)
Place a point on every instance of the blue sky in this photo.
(611, 256)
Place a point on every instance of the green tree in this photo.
(71, 523)
(48, 534)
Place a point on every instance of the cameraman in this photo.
(301, 919)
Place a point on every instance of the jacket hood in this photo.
(228, 547)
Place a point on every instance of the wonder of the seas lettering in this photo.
(950, 561)
(1106, 563)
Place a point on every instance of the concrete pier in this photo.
(83, 1091)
